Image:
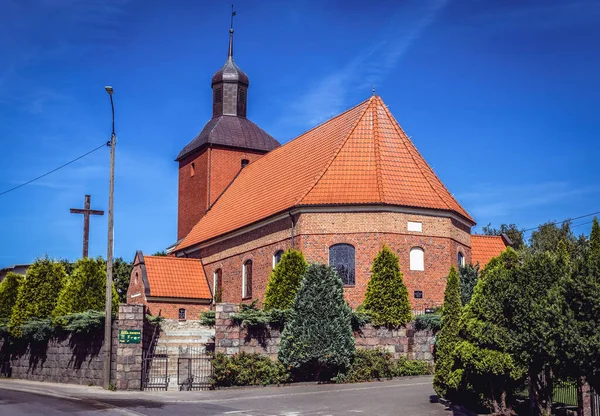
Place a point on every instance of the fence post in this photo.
(584, 398)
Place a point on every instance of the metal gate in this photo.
(595, 402)
(194, 369)
(155, 369)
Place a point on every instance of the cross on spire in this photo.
(86, 211)
(230, 54)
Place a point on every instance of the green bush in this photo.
(368, 365)
(38, 330)
(317, 341)
(38, 293)
(386, 300)
(9, 289)
(154, 320)
(469, 275)
(247, 370)
(208, 318)
(251, 317)
(406, 367)
(83, 322)
(84, 290)
(360, 318)
(285, 280)
(448, 336)
(428, 321)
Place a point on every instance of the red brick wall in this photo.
(193, 190)
(136, 285)
(441, 240)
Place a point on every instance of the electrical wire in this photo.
(54, 170)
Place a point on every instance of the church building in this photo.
(338, 193)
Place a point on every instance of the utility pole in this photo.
(86, 211)
(109, 255)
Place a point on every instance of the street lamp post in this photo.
(109, 254)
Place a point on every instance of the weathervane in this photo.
(232, 14)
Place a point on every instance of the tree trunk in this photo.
(541, 386)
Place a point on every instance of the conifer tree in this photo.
(469, 275)
(9, 289)
(84, 290)
(447, 338)
(38, 293)
(285, 280)
(317, 340)
(386, 300)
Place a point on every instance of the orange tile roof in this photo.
(485, 247)
(175, 277)
(361, 156)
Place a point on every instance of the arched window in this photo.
(461, 259)
(181, 314)
(341, 257)
(217, 286)
(417, 258)
(247, 280)
(277, 257)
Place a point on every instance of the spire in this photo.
(230, 53)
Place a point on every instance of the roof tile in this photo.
(176, 277)
(486, 247)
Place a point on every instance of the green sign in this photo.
(130, 336)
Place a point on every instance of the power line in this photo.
(53, 170)
(556, 222)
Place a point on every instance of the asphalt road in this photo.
(411, 397)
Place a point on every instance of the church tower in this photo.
(227, 143)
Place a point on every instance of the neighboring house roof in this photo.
(16, 268)
(233, 131)
(362, 156)
(175, 277)
(486, 247)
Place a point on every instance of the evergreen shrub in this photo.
(285, 280)
(38, 293)
(208, 318)
(83, 322)
(386, 300)
(469, 275)
(84, 290)
(317, 341)
(247, 370)
(428, 321)
(9, 289)
(368, 365)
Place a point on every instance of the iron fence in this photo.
(194, 369)
(155, 369)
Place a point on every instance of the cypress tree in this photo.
(317, 340)
(9, 289)
(38, 293)
(447, 338)
(85, 290)
(285, 280)
(469, 275)
(386, 300)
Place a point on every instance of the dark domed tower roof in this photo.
(230, 72)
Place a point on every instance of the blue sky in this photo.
(500, 97)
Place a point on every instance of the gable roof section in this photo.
(175, 277)
(362, 156)
(231, 131)
(486, 247)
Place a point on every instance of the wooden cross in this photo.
(86, 211)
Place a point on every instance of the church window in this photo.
(277, 257)
(415, 226)
(192, 169)
(182, 314)
(218, 286)
(341, 257)
(245, 163)
(417, 258)
(461, 259)
(247, 280)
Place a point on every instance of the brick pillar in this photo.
(227, 335)
(585, 398)
(129, 356)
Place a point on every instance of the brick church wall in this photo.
(441, 238)
(231, 339)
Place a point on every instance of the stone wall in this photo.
(79, 358)
(231, 339)
(76, 359)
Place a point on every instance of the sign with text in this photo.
(130, 336)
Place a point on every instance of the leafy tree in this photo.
(469, 275)
(285, 280)
(85, 290)
(386, 300)
(121, 275)
(317, 340)
(512, 232)
(547, 236)
(161, 253)
(482, 365)
(448, 335)
(9, 289)
(38, 293)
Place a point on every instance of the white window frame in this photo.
(244, 278)
(417, 259)
(275, 257)
(415, 226)
(461, 259)
(215, 284)
(184, 314)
